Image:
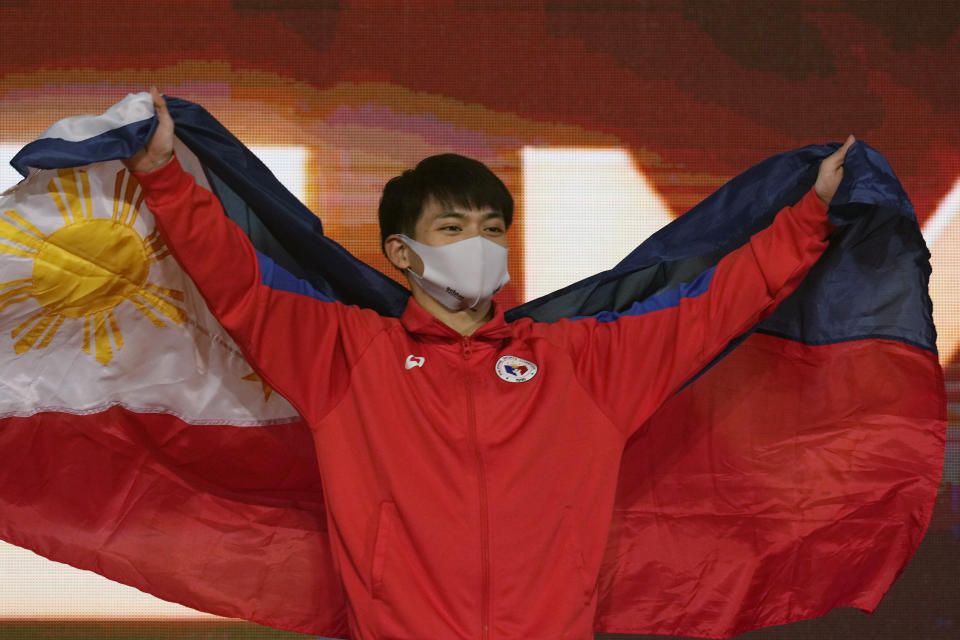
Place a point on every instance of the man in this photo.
(469, 464)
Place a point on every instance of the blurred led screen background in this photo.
(605, 119)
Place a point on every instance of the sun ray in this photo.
(16, 252)
(26, 323)
(85, 181)
(14, 295)
(165, 291)
(52, 332)
(20, 298)
(68, 180)
(15, 283)
(86, 335)
(117, 188)
(57, 200)
(103, 350)
(172, 311)
(115, 329)
(135, 210)
(156, 248)
(132, 187)
(145, 310)
(160, 255)
(30, 337)
(153, 241)
(25, 224)
(23, 237)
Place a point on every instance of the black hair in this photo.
(452, 180)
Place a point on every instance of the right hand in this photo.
(159, 148)
(831, 172)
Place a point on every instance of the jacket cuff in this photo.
(814, 212)
(165, 181)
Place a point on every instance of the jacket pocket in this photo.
(386, 526)
(576, 553)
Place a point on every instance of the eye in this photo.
(450, 227)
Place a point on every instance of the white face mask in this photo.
(461, 275)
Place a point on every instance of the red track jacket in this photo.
(470, 481)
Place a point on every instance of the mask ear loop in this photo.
(407, 240)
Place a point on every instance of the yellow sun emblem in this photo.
(86, 268)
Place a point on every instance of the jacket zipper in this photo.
(482, 477)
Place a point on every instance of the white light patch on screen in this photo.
(288, 163)
(8, 175)
(34, 587)
(583, 211)
(942, 233)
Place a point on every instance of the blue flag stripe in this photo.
(659, 301)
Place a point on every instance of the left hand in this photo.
(831, 172)
(159, 149)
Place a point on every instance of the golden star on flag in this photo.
(253, 376)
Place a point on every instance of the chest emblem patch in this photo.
(514, 369)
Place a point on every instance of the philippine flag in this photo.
(794, 475)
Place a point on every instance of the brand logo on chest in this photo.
(514, 369)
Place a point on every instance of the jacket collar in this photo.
(418, 321)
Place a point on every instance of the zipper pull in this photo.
(465, 345)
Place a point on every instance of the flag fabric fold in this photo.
(799, 469)
(795, 474)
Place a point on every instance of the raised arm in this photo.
(632, 361)
(298, 340)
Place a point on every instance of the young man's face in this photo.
(441, 224)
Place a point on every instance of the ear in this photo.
(401, 256)
(397, 252)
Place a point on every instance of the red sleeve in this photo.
(632, 362)
(271, 326)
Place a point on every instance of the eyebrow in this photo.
(461, 216)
